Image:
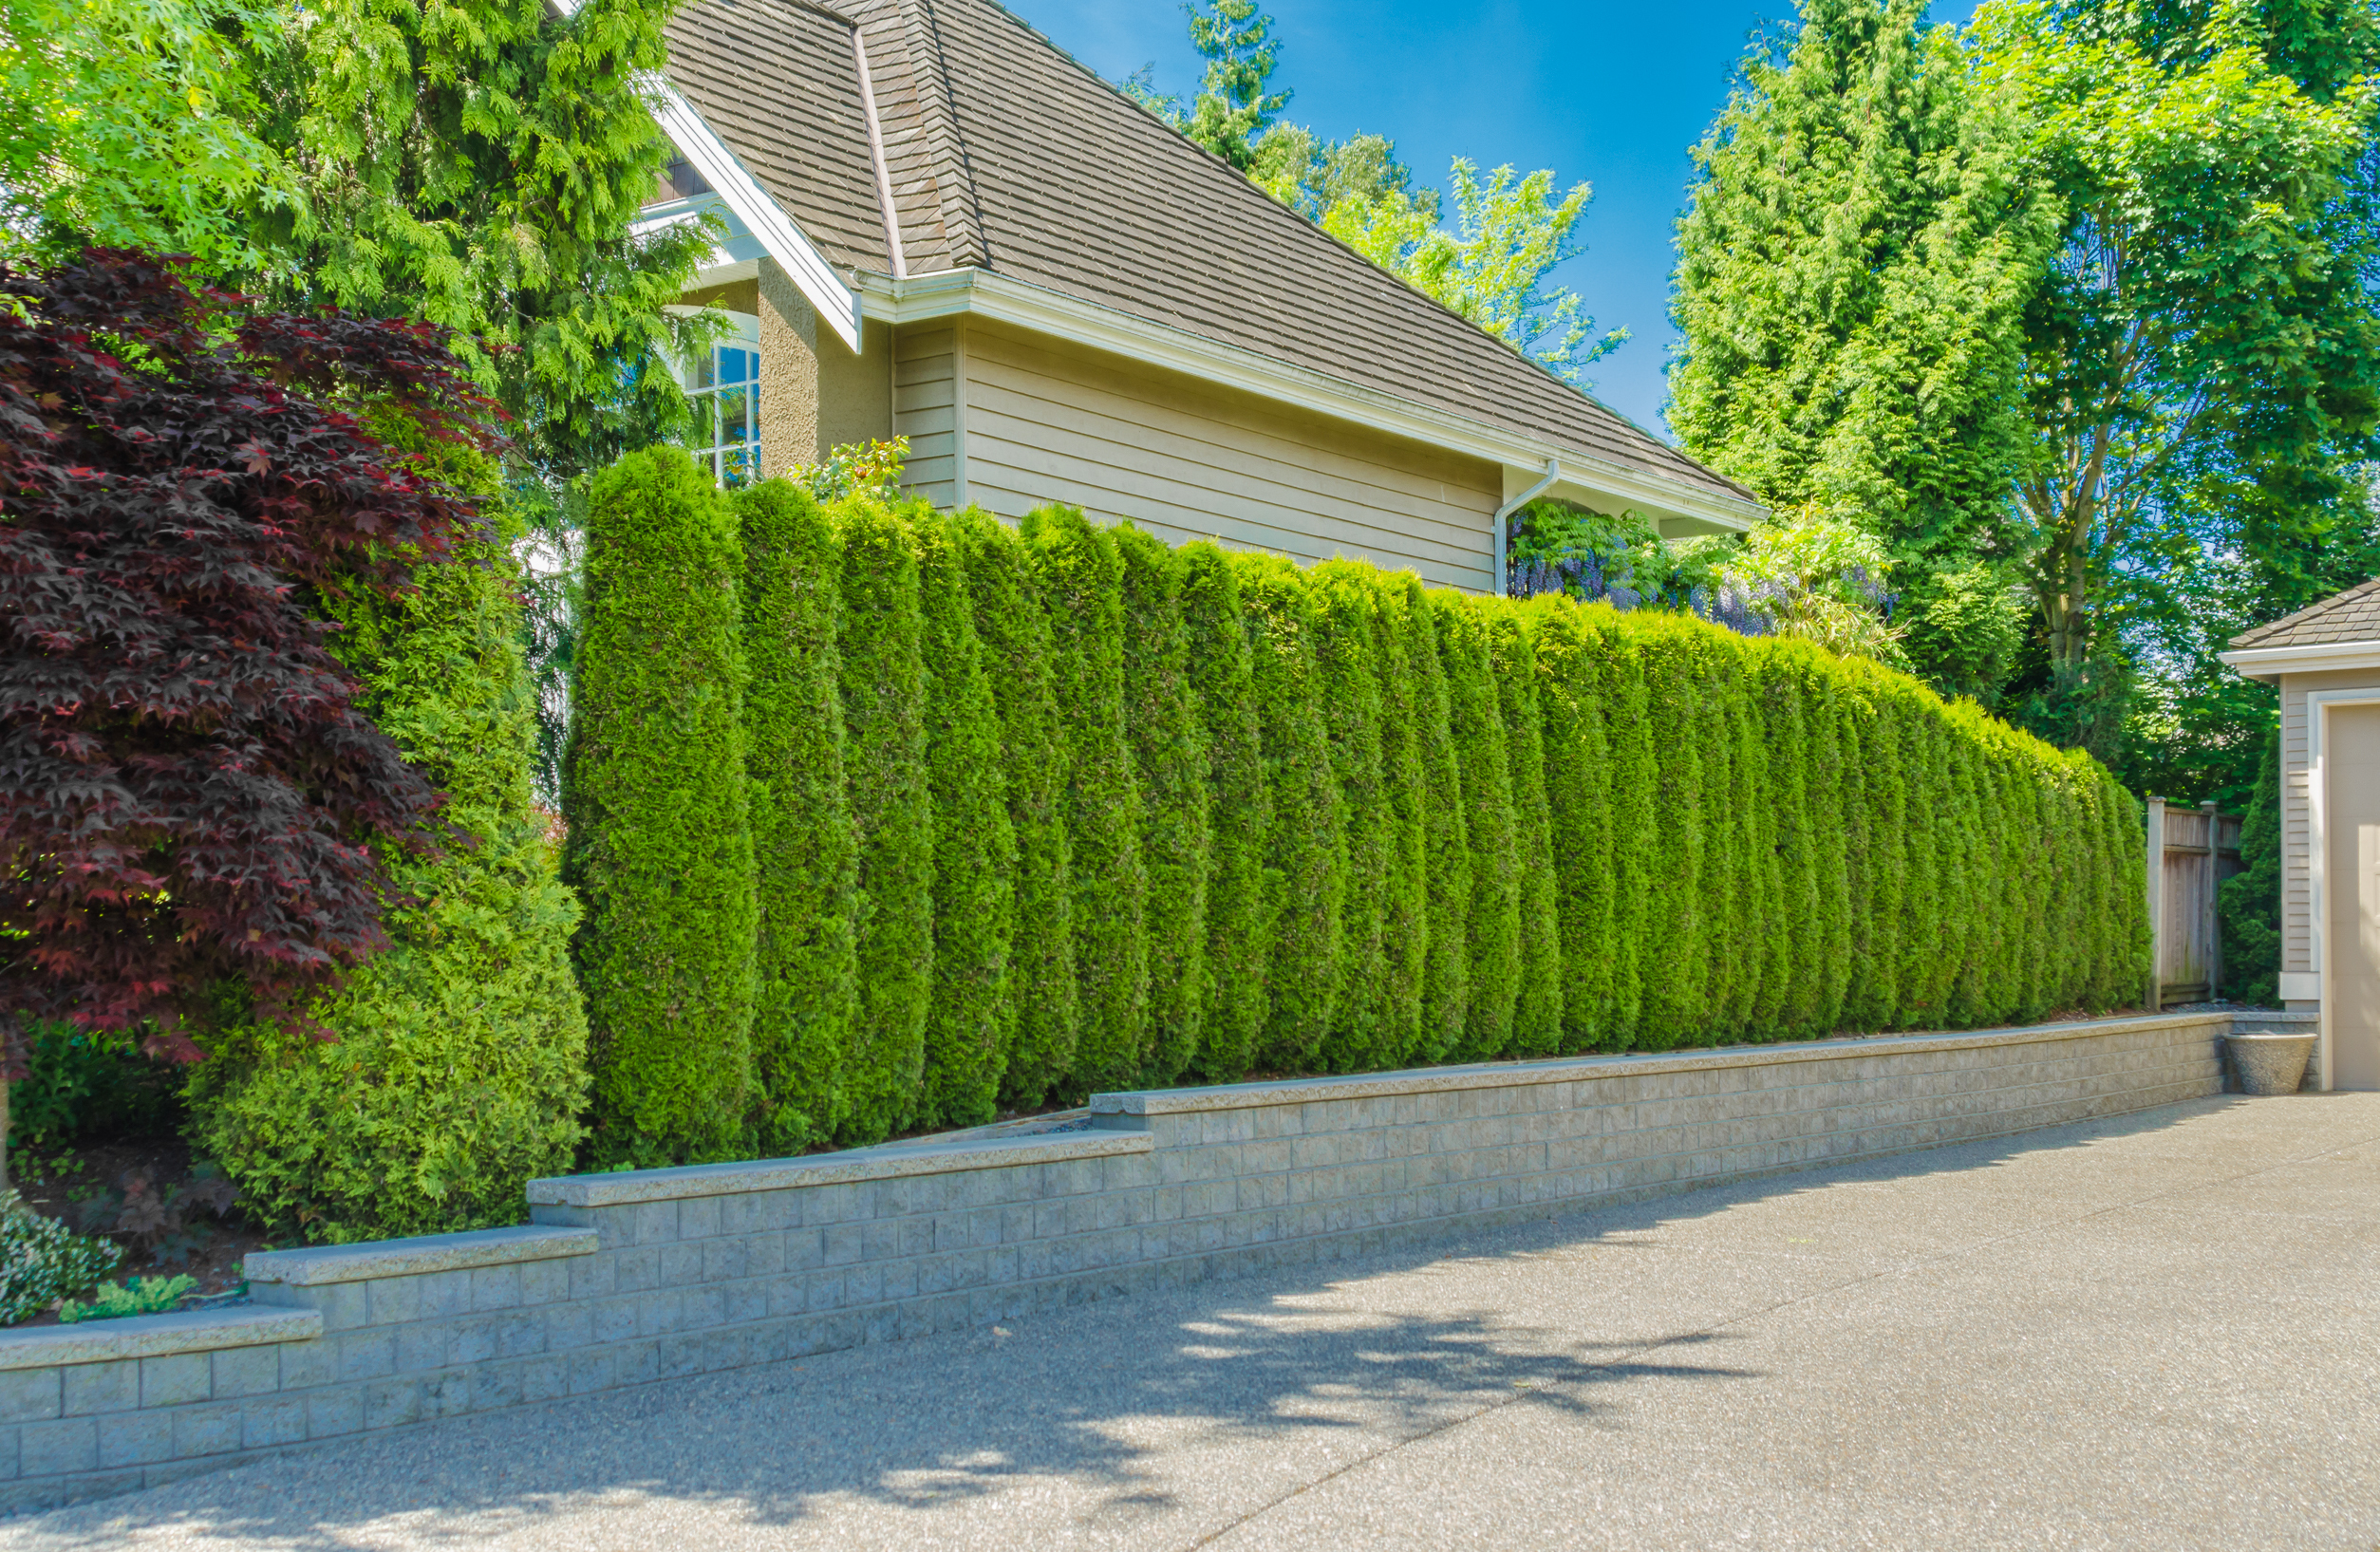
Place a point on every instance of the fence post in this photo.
(2214, 911)
(2156, 903)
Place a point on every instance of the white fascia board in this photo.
(1586, 477)
(2328, 657)
(753, 205)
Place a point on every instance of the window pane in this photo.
(734, 415)
(736, 366)
(702, 374)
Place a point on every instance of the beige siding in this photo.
(2297, 808)
(1046, 422)
(925, 409)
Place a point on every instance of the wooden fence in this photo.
(2190, 853)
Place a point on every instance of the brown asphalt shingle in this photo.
(2350, 616)
(1005, 153)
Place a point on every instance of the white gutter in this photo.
(1504, 515)
(2324, 657)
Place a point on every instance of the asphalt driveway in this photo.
(2160, 1331)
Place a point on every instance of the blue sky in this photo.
(1609, 93)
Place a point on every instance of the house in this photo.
(2326, 659)
(942, 227)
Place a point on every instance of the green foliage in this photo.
(659, 825)
(1169, 762)
(970, 1025)
(1015, 633)
(1405, 910)
(1232, 109)
(804, 851)
(2251, 901)
(1366, 1027)
(456, 1067)
(1492, 916)
(1239, 904)
(885, 769)
(1965, 625)
(1537, 1019)
(1571, 655)
(1082, 593)
(870, 468)
(41, 1261)
(1445, 990)
(137, 1296)
(1302, 847)
(82, 1083)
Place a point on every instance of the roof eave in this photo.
(1002, 299)
(2269, 662)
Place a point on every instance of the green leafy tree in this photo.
(1491, 919)
(1366, 1028)
(1537, 1018)
(1445, 990)
(803, 848)
(1239, 902)
(971, 1025)
(1854, 263)
(2251, 902)
(1232, 109)
(885, 741)
(457, 1066)
(659, 825)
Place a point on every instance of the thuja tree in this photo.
(1004, 591)
(884, 723)
(457, 1064)
(1577, 764)
(189, 792)
(1492, 916)
(1081, 580)
(1405, 909)
(1169, 762)
(1348, 669)
(1444, 989)
(2252, 901)
(972, 1018)
(1239, 920)
(660, 829)
(1537, 1011)
(804, 854)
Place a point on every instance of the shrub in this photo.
(1083, 595)
(1239, 921)
(456, 1064)
(884, 727)
(1445, 989)
(1405, 913)
(1302, 843)
(971, 1020)
(41, 1261)
(1169, 763)
(2251, 901)
(660, 829)
(1365, 1026)
(805, 867)
(1537, 1009)
(1491, 920)
(1014, 635)
(136, 1296)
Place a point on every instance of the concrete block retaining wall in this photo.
(623, 1279)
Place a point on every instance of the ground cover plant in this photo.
(1329, 819)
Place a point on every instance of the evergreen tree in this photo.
(1239, 906)
(971, 1025)
(802, 842)
(1491, 918)
(660, 832)
(1445, 993)
(1171, 763)
(885, 748)
(1537, 1008)
(1015, 633)
(2251, 900)
(1082, 593)
(1364, 1018)
(1405, 915)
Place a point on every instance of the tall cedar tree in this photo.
(1570, 653)
(660, 827)
(1492, 921)
(1445, 993)
(1170, 760)
(884, 730)
(1537, 1008)
(1015, 632)
(1082, 593)
(804, 851)
(189, 792)
(1347, 645)
(972, 1021)
(1239, 920)
(1303, 881)
(1405, 910)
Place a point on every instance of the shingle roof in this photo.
(2350, 616)
(1005, 152)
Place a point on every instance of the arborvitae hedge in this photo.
(1083, 594)
(1014, 629)
(1057, 807)
(971, 1021)
(884, 725)
(802, 842)
(660, 833)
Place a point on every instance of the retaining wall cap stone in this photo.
(155, 1335)
(858, 1163)
(414, 1257)
(1508, 1074)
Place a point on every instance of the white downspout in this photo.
(1504, 515)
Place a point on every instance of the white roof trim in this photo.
(984, 295)
(753, 205)
(2321, 658)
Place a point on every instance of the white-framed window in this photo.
(724, 385)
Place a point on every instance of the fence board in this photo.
(2191, 852)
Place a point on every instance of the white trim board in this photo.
(1586, 477)
(2319, 705)
(2272, 662)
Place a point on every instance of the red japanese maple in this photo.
(188, 790)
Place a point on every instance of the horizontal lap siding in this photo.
(2297, 808)
(1185, 460)
(925, 399)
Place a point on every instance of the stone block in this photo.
(331, 1415)
(449, 1393)
(246, 1371)
(681, 1264)
(394, 1301)
(445, 1295)
(31, 1396)
(206, 1430)
(136, 1438)
(177, 1380)
(544, 1379)
(263, 1424)
(392, 1403)
(424, 1346)
(591, 1372)
(590, 1276)
(545, 1282)
(108, 1387)
(649, 1224)
(698, 1217)
(520, 1333)
(496, 1386)
(636, 1269)
(494, 1288)
(54, 1449)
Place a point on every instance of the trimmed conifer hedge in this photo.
(1046, 809)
